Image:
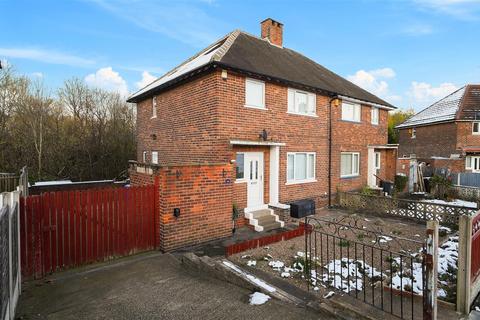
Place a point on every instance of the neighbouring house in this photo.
(446, 134)
(251, 123)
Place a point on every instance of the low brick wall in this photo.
(202, 194)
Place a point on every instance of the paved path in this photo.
(152, 286)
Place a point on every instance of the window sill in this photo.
(289, 183)
(374, 124)
(350, 177)
(302, 114)
(240, 181)
(153, 117)
(255, 107)
(351, 121)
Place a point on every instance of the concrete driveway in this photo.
(148, 286)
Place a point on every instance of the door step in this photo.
(264, 220)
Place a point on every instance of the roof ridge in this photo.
(231, 37)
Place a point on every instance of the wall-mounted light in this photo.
(263, 135)
(176, 212)
(153, 136)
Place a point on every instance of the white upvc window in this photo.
(377, 160)
(349, 164)
(476, 128)
(472, 163)
(375, 115)
(351, 111)
(301, 102)
(300, 167)
(254, 93)
(144, 156)
(413, 133)
(155, 157)
(154, 107)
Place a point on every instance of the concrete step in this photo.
(261, 213)
(271, 226)
(263, 220)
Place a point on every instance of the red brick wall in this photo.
(203, 193)
(355, 137)
(437, 140)
(185, 126)
(465, 137)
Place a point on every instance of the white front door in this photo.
(254, 177)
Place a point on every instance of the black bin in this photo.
(302, 208)
(388, 187)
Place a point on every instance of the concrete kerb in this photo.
(332, 307)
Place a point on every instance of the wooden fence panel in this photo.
(475, 264)
(71, 228)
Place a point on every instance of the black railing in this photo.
(384, 271)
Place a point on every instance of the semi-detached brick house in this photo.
(447, 133)
(247, 122)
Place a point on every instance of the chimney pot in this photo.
(272, 31)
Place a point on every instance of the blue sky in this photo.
(409, 52)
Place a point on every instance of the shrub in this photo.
(367, 191)
(440, 186)
(400, 182)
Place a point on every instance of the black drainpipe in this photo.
(330, 151)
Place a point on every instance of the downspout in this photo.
(330, 150)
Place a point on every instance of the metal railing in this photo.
(386, 272)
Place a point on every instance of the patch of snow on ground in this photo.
(456, 202)
(251, 278)
(258, 298)
(285, 274)
(447, 262)
(251, 263)
(329, 295)
(276, 264)
(346, 274)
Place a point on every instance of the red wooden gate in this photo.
(475, 264)
(72, 228)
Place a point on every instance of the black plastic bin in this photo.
(387, 187)
(302, 208)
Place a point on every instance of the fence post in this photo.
(464, 263)
(431, 271)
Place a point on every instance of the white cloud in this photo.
(423, 94)
(184, 21)
(147, 78)
(108, 79)
(417, 30)
(462, 9)
(38, 75)
(374, 82)
(46, 56)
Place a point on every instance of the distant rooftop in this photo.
(463, 104)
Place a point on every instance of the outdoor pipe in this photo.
(330, 150)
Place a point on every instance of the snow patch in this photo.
(258, 298)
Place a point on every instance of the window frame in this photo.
(254, 81)
(478, 127)
(378, 157)
(292, 107)
(244, 179)
(355, 105)
(353, 174)
(471, 160)
(376, 111)
(154, 158)
(413, 133)
(154, 107)
(144, 156)
(307, 179)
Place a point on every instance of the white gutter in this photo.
(381, 106)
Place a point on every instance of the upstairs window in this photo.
(154, 157)
(375, 115)
(154, 107)
(254, 94)
(351, 111)
(413, 133)
(301, 102)
(476, 128)
(349, 164)
(300, 167)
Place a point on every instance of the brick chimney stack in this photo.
(273, 31)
